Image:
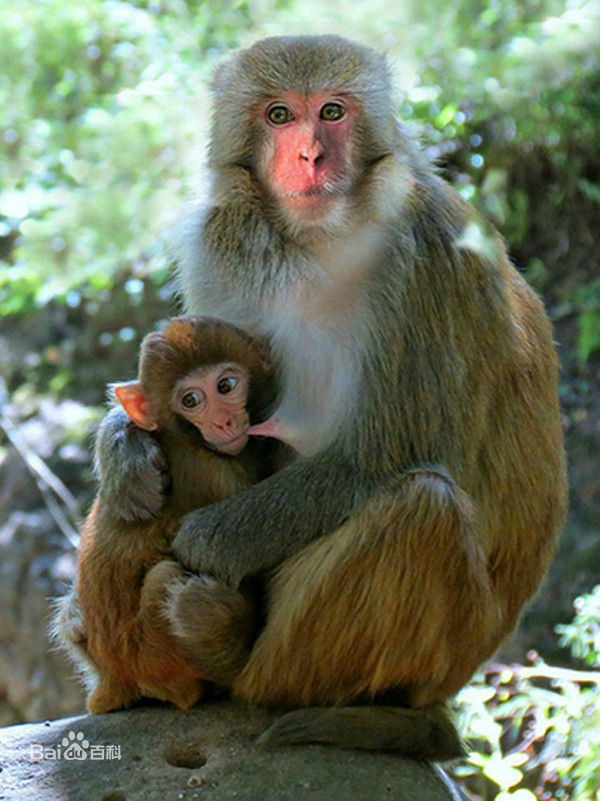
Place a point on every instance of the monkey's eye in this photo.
(279, 115)
(332, 112)
(191, 399)
(226, 385)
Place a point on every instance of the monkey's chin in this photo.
(233, 446)
(311, 207)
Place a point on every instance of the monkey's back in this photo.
(482, 370)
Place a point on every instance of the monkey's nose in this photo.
(311, 150)
(310, 163)
(223, 423)
(313, 158)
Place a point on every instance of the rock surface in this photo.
(209, 754)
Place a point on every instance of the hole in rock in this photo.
(185, 755)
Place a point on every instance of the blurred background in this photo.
(103, 115)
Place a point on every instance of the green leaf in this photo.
(589, 334)
(500, 770)
(590, 190)
(446, 115)
(519, 795)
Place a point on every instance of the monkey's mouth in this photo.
(233, 445)
(314, 193)
(314, 204)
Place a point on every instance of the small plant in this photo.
(536, 728)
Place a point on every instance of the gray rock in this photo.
(162, 754)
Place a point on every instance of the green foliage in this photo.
(587, 302)
(582, 636)
(509, 103)
(93, 138)
(537, 728)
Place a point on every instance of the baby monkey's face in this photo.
(214, 400)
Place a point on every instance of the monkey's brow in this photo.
(278, 94)
(204, 369)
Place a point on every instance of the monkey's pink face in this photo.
(214, 400)
(307, 163)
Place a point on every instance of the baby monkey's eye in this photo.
(279, 115)
(191, 399)
(331, 112)
(226, 385)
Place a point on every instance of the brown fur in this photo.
(116, 620)
(419, 380)
(429, 509)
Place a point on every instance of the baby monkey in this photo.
(200, 382)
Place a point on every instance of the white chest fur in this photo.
(317, 335)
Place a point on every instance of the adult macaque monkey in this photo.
(419, 384)
(198, 380)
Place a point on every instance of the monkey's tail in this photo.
(425, 733)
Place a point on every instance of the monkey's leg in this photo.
(397, 597)
(215, 623)
(164, 669)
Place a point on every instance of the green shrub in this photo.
(536, 728)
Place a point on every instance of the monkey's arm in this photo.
(260, 527)
(130, 467)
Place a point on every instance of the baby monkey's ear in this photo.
(134, 400)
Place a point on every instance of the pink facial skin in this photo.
(309, 140)
(214, 400)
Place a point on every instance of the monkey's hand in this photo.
(131, 468)
(260, 527)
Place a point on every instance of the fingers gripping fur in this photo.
(214, 623)
(424, 733)
(131, 468)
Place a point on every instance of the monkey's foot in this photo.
(213, 622)
(108, 697)
(184, 694)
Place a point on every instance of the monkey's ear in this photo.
(134, 400)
